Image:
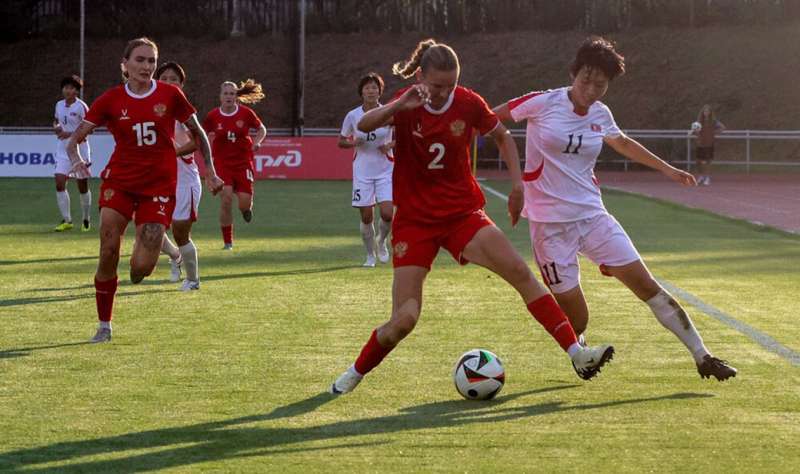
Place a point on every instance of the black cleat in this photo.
(247, 214)
(716, 367)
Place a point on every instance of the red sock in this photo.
(371, 355)
(227, 234)
(555, 322)
(104, 292)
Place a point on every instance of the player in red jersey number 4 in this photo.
(439, 204)
(140, 178)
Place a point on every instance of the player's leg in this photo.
(490, 248)
(86, 204)
(383, 195)
(182, 231)
(244, 192)
(406, 308)
(366, 215)
(146, 249)
(225, 216)
(112, 229)
(62, 199)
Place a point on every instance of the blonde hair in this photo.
(427, 54)
(133, 44)
(247, 92)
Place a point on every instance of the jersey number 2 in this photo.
(145, 134)
(437, 148)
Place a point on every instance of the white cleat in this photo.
(370, 262)
(175, 269)
(227, 247)
(346, 382)
(588, 361)
(383, 252)
(102, 335)
(189, 285)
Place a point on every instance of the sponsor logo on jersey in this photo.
(160, 109)
(400, 249)
(108, 194)
(124, 115)
(219, 126)
(240, 123)
(457, 127)
(163, 198)
(596, 128)
(292, 159)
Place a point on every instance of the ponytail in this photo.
(427, 54)
(247, 92)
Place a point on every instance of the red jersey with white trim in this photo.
(232, 146)
(561, 150)
(432, 180)
(143, 126)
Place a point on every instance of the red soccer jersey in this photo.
(143, 126)
(232, 146)
(432, 179)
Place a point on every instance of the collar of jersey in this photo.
(153, 85)
(444, 107)
(230, 114)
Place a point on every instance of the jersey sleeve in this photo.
(208, 123)
(55, 114)
(348, 127)
(183, 109)
(99, 111)
(485, 120)
(254, 121)
(610, 128)
(527, 106)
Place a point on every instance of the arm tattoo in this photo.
(201, 139)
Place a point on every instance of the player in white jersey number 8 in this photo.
(566, 129)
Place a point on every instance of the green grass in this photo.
(230, 378)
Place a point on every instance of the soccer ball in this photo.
(479, 375)
(696, 126)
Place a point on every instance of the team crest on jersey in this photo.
(595, 127)
(160, 109)
(400, 249)
(457, 127)
(240, 123)
(108, 194)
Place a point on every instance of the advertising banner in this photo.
(27, 155)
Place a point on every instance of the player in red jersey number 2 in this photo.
(140, 178)
(439, 204)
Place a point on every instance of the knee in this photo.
(140, 270)
(386, 217)
(366, 218)
(519, 271)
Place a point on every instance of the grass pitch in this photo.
(231, 377)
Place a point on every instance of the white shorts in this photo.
(187, 200)
(367, 192)
(63, 164)
(556, 246)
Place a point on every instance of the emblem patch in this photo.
(160, 109)
(240, 123)
(400, 249)
(108, 194)
(457, 127)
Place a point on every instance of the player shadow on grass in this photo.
(46, 260)
(23, 351)
(230, 439)
(299, 271)
(58, 299)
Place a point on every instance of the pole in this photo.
(83, 43)
(301, 66)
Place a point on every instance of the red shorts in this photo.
(241, 180)
(139, 207)
(417, 244)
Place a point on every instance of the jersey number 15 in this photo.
(145, 133)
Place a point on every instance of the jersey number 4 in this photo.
(435, 164)
(231, 137)
(145, 133)
(573, 151)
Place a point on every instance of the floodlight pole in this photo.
(301, 67)
(83, 43)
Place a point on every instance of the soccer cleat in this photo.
(189, 285)
(370, 262)
(227, 247)
(383, 252)
(716, 367)
(247, 215)
(588, 361)
(102, 335)
(175, 269)
(86, 227)
(346, 382)
(63, 226)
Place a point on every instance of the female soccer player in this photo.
(709, 128)
(228, 127)
(566, 131)
(372, 168)
(187, 193)
(139, 180)
(69, 114)
(439, 204)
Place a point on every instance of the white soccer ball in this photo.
(479, 375)
(696, 126)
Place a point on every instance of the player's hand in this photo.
(386, 147)
(414, 97)
(80, 170)
(516, 199)
(214, 183)
(682, 177)
(256, 147)
(358, 141)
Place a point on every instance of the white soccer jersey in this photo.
(70, 116)
(560, 153)
(187, 168)
(369, 162)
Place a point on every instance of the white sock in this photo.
(62, 197)
(383, 230)
(105, 324)
(573, 349)
(86, 205)
(368, 235)
(670, 314)
(169, 248)
(189, 253)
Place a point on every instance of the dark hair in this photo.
(597, 53)
(247, 92)
(175, 67)
(428, 54)
(373, 77)
(73, 80)
(712, 117)
(133, 44)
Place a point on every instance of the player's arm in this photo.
(634, 151)
(510, 155)
(503, 112)
(412, 98)
(187, 148)
(213, 182)
(261, 134)
(80, 165)
(349, 142)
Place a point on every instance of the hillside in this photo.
(749, 73)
